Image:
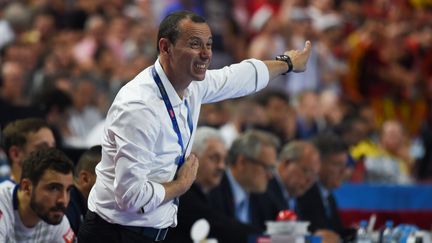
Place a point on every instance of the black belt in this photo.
(152, 233)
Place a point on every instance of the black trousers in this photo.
(94, 229)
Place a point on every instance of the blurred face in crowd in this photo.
(258, 171)
(392, 136)
(13, 81)
(211, 164)
(190, 55)
(84, 94)
(333, 169)
(276, 110)
(308, 106)
(298, 176)
(41, 139)
(357, 133)
(50, 197)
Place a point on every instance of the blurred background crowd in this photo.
(369, 78)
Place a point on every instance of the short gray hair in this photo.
(249, 144)
(203, 134)
(292, 151)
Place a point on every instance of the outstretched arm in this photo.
(299, 59)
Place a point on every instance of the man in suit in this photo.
(251, 161)
(297, 171)
(195, 204)
(318, 205)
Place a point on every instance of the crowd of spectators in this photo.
(369, 77)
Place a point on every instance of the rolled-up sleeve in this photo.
(134, 145)
(261, 72)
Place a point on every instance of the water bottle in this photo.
(362, 235)
(387, 234)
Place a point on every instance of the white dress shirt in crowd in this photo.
(140, 146)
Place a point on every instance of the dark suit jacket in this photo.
(76, 209)
(311, 208)
(275, 194)
(195, 205)
(222, 200)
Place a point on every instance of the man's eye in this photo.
(195, 45)
(54, 188)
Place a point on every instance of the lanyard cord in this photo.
(172, 116)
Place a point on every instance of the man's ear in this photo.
(164, 46)
(26, 186)
(84, 177)
(15, 154)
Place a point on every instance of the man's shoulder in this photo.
(7, 184)
(140, 89)
(6, 189)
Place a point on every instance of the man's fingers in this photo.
(192, 157)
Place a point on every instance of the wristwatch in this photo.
(286, 59)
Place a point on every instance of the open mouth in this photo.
(202, 67)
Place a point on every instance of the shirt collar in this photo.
(239, 194)
(172, 94)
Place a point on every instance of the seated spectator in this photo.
(55, 106)
(33, 210)
(14, 103)
(281, 117)
(84, 115)
(84, 179)
(251, 161)
(195, 204)
(297, 171)
(307, 117)
(318, 205)
(389, 160)
(22, 137)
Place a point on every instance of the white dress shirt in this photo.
(140, 146)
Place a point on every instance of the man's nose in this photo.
(206, 52)
(63, 198)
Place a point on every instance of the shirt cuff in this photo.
(157, 198)
(262, 73)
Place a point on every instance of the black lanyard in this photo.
(172, 115)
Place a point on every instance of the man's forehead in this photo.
(190, 29)
(52, 176)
